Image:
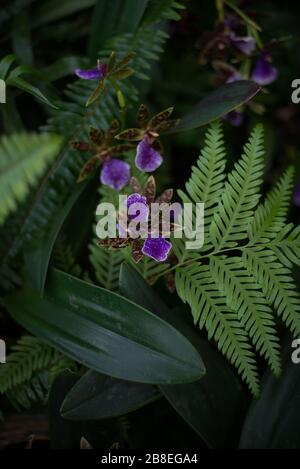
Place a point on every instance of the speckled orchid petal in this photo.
(244, 44)
(235, 76)
(93, 73)
(235, 118)
(115, 174)
(138, 204)
(264, 73)
(147, 158)
(157, 248)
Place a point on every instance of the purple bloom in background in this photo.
(235, 118)
(147, 158)
(157, 248)
(142, 206)
(92, 74)
(296, 198)
(115, 174)
(234, 76)
(244, 44)
(264, 73)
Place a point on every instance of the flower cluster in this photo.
(235, 51)
(152, 240)
(116, 173)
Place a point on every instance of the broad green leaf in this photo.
(29, 88)
(5, 65)
(217, 104)
(273, 421)
(63, 433)
(66, 434)
(96, 396)
(37, 255)
(212, 406)
(106, 332)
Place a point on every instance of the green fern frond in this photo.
(162, 10)
(25, 376)
(23, 159)
(286, 245)
(63, 258)
(106, 263)
(31, 393)
(244, 296)
(240, 196)
(238, 299)
(277, 284)
(196, 286)
(206, 183)
(28, 356)
(270, 216)
(207, 179)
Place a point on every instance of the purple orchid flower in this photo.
(234, 76)
(296, 198)
(157, 248)
(147, 158)
(264, 73)
(141, 207)
(235, 118)
(233, 22)
(244, 44)
(96, 73)
(115, 174)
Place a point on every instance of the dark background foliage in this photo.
(41, 34)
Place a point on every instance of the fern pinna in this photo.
(31, 368)
(241, 280)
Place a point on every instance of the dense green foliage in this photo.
(124, 352)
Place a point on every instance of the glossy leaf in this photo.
(63, 433)
(37, 254)
(106, 332)
(213, 406)
(31, 89)
(5, 65)
(96, 396)
(273, 421)
(217, 104)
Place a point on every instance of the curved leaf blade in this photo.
(96, 396)
(217, 104)
(213, 406)
(276, 414)
(106, 332)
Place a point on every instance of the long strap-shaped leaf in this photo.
(106, 332)
(213, 405)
